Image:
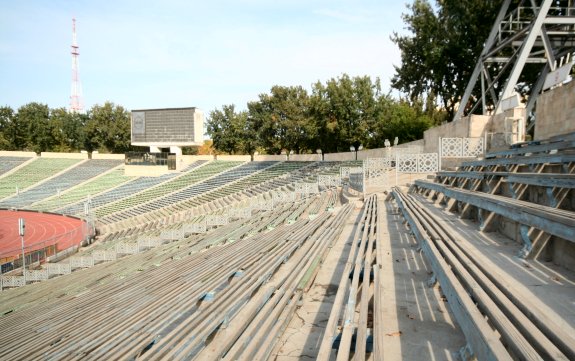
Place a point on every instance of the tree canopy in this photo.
(439, 54)
(343, 112)
(35, 127)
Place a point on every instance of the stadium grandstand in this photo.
(458, 246)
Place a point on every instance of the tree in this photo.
(108, 129)
(223, 126)
(281, 120)
(8, 129)
(438, 58)
(33, 126)
(67, 130)
(345, 111)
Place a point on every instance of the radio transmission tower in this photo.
(76, 103)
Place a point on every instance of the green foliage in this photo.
(108, 129)
(35, 127)
(438, 58)
(281, 121)
(342, 112)
(34, 122)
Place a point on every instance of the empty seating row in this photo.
(215, 181)
(72, 177)
(491, 295)
(32, 173)
(171, 302)
(124, 190)
(9, 163)
(85, 191)
(184, 180)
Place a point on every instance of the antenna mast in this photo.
(76, 103)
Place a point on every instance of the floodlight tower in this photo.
(76, 103)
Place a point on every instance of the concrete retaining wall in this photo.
(466, 127)
(108, 156)
(145, 170)
(270, 157)
(64, 155)
(339, 156)
(305, 157)
(8, 153)
(556, 112)
(235, 158)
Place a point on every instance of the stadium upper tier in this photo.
(73, 176)
(101, 188)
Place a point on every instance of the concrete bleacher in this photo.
(8, 163)
(61, 182)
(191, 176)
(31, 173)
(125, 189)
(84, 191)
(232, 263)
(251, 266)
(521, 201)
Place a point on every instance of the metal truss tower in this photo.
(76, 101)
(530, 42)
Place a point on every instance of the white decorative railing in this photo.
(103, 255)
(127, 248)
(306, 188)
(81, 262)
(217, 220)
(461, 147)
(283, 197)
(195, 228)
(418, 163)
(241, 213)
(58, 269)
(329, 180)
(37, 275)
(12, 281)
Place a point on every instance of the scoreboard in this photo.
(167, 127)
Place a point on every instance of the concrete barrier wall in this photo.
(270, 157)
(8, 153)
(64, 155)
(466, 127)
(371, 153)
(236, 158)
(305, 157)
(339, 156)
(108, 156)
(193, 158)
(145, 170)
(556, 112)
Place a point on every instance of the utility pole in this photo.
(21, 226)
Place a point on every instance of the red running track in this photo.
(41, 230)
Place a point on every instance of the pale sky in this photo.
(178, 53)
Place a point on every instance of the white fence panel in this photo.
(172, 234)
(306, 188)
(58, 269)
(241, 213)
(103, 255)
(37, 275)
(217, 220)
(329, 180)
(418, 163)
(461, 147)
(283, 197)
(127, 248)
(12, 281)
(195, 228)
(82, 262)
